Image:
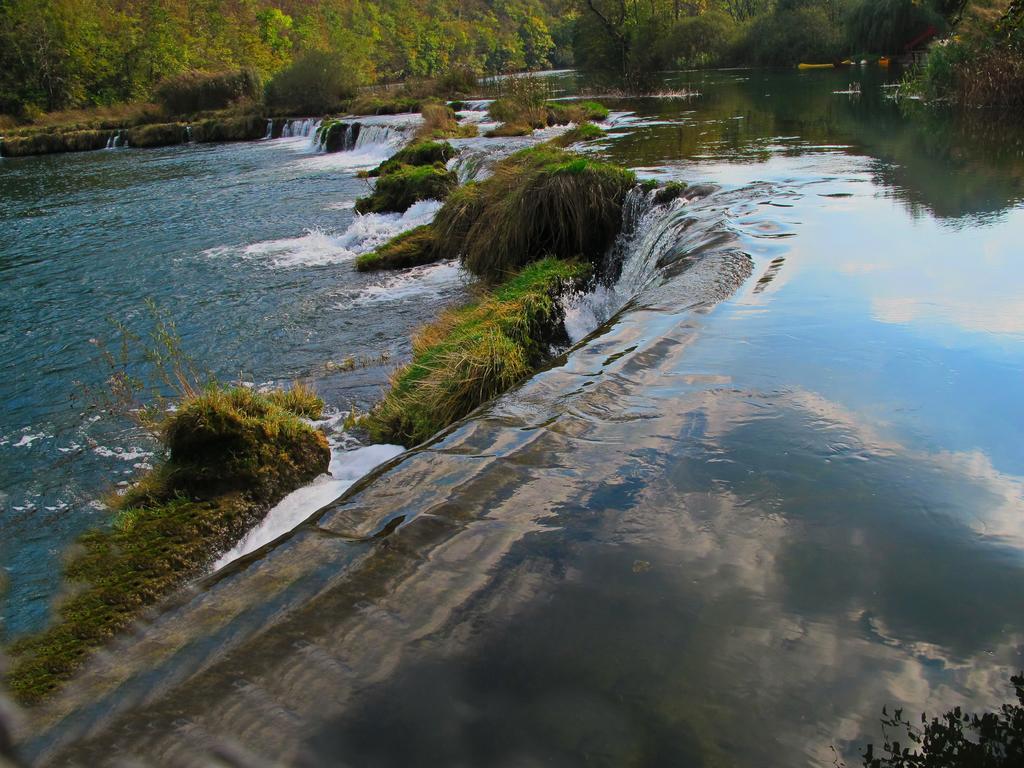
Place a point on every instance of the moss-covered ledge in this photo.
(475, 353)
(232, 453)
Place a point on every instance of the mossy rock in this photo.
(247, 128)
(475, 353)
(409, 249)
(417, 153)
(669, 192)
(54, 142)
(337, 135)
(538, 201)
(157, 135)
(233, 454)
(405, 185)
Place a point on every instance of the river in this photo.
(780, 486)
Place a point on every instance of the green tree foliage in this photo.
(888, 25)
(57, 54)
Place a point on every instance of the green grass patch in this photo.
(542, 200)
(582, 132)
(232, 453)
(398, 189)
(474, 353)
(508, 129)
(417, 153)
(409, 249)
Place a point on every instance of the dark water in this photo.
(782, 488)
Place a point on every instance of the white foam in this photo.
(430, 280)
(317, 247)
(28, 438)
(345, 469)
(124, 454)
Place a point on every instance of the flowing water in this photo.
(777, 484)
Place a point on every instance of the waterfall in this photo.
(655, 239)
(270, 129)
(381, 134)
(304, 128)
(117, 140)
(476, 105)
(188, 134)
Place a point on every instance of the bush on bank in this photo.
(472, 354)
(232, 454)
(316, 83)
(195, 91)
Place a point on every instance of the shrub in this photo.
(196, 91)
(232, 454)
(699, 41)
(458, 81)
(539, 201)
(417, 153)
(475, 353)
(438, 121)
(887, 25)
(314, 84)
(398, 189)
(508, 129)
(409, 249)
(376, 105)
(787, 37)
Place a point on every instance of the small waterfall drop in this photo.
(304, 128)
(188, 134)
(656, 238)
(117, 140)
(270, 129)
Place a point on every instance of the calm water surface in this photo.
(782, 488)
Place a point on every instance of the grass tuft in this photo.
(233, 453)
(538, 201)
(582, 132)
(398, 189)
(472, 354)
(409, 249)
(417, 153)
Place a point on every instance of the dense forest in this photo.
(63, 53)
(56, 54)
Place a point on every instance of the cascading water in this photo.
(270, 129)
(655, 238)
(304, 128)
(116, 140)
